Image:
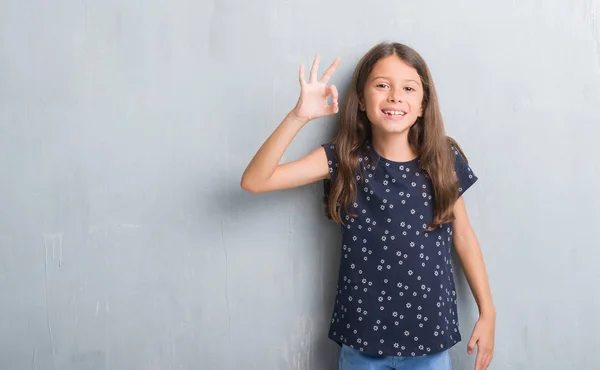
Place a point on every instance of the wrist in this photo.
(487, 312)
(294, 117)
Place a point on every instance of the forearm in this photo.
(471, 259)
(267, 158)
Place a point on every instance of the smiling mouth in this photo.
(394, 113)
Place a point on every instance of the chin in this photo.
(392, 127)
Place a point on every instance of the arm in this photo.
(468, 250)
(264, 173)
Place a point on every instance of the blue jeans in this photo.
(351, 359)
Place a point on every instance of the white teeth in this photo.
(394, 113)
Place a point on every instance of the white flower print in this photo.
(400, 199)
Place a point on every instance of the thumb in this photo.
(471, 344)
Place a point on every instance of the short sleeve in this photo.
(332, 160)
(465, 174)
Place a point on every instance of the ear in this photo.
(361, 105)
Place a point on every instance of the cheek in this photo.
(371, 101)
(416, 103)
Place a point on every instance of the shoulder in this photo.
(461, 161)
(465, 174)
(332, 157)
(330, 147)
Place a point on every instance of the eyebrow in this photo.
(387, 78)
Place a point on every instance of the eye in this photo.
(382, 85)
(408, 88)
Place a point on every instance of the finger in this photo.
(471, 345)
(314, 69)
(488, 360)
(301, 75)
(334, 94)
(479, 360)
(334, 107)
(329, 72)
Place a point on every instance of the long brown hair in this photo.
(426, 137)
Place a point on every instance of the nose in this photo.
(395, 96)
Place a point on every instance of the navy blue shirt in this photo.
(395, 291)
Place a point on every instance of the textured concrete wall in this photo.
(126, 242)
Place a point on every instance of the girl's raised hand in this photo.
(313, 95)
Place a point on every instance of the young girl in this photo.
(394, 182)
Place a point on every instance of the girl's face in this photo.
(393, 94)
